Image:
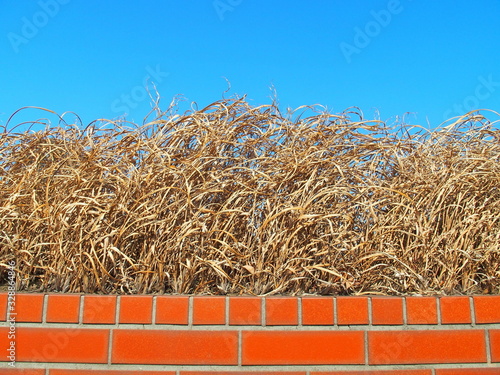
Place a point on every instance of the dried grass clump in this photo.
(235, 199)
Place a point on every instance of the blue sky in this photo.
(433, 59)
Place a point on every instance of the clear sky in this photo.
(434, 59)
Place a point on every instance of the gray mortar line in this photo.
(80, 309)
(153, 312)
(438, 307)
(263, 311)
(405, 320)
(110, 346)
(44, 308)
(366, 347)
(472, 311)
(117, 311)
(299, 311)
(488, 348)
(190, 312)
(335, 312)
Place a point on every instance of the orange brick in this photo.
(58, 345)
(352, 310)
(487, 309)
(282, 311)
(302, 348)
(29, 307)
(421, 310)
(387, 372)
(387, 310)
(317, 311)
(242, 373)
(172, 310)
(99, 309)
(413, 347)
(455, 310)
(245, 311)
(468, 371)
(63, 308)
(175, 347)
(3, 306)
(209, 310)
(495, 345)
(136, 309)
(108, 372)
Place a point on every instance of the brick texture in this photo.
(63, 308)
(352, 310)
(308, 335)
(302, 348)
(172, 310)
(317, 311)
(387, 310)
(175, 347)
(411, 347)
(487, 309)
(421, 310)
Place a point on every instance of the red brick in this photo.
(99, 309)
(352, 310)
(413, 347)
(387, 372)
(245, 311)
(282, 311)
(302, 348)
(108, 372)
(29, 307)
(487, 309)
(63, 308)
(387, 310)
(58, 345)
(175, 347)
(3, 306)
(24, 371)
(421, 310)
(209, 310)
(495, 345)
(317, 311)
(468, 371)
(136, 309)
(172, 310)
(455, 310)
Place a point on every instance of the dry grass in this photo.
(246, 200)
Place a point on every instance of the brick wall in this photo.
(59, 334)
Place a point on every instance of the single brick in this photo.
(421, 310)
(382, 372)
(245, 311)
(58, 345)
(3, 306)
(282, 311)
(136, 309)
(352, 310)
(242, 373)
(302, 348)
(63, 308)
(29, 307)
(99, 309)
(172, 310)
(108, 372)
(175, 347)
(468, 371)
(487, 309)
(387, 310)
(413, 347)
(209, 310)
(317, 311)
(495, 345)
(455, 310)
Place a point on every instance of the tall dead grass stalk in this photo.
(235, 199)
